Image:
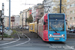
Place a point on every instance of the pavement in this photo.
(9, 32)
(34, 42)
(70, 35)
(7, 39)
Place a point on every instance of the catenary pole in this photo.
(9, 12)
(60, 5)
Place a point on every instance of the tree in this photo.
(30, 19)
(63, 8)
(57, 9)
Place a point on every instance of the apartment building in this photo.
(21, 18)
(24, 15)
(49, 5)
(70, 13)
(15, 21)
(37, 11)
(53, 6)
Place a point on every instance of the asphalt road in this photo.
(31, 41)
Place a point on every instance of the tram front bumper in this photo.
(57, 37)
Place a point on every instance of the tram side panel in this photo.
(43, 28)
(35, 27)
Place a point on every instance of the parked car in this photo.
(20, 27)
(27, 27)
(72, 31)
(7, 28)
(68, 30)
(23, 28)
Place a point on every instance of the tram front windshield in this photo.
(56, 23)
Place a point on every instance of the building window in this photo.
(70, 18)
(72, 5)
(68, 6)
(71, 12)
(68, 0)
(74, 11)
(74, 18)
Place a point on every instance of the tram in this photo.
(52, 27)
(33, 27)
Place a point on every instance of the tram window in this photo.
(46, 20)
(46, 25)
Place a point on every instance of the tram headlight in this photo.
(50, 35)
(63, 35)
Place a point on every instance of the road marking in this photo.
(24, 42)
(69, 47)
(62, 47)
(18, 44)
(11, 42)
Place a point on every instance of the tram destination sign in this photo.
(61, 16)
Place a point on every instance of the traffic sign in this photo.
(12, 19)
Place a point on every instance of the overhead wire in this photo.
(30, 4)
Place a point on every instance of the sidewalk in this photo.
(71, 33)
(7, 39)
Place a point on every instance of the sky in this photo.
(17, 6)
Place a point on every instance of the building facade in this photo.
(71, 13)
(24, 15)
(37, 11)
(16, 22)
(33, 13)
(49, 5)
(6, 21)
(21, 18)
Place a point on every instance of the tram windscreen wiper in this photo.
(54, 30)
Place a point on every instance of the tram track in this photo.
(18, 42)
(59, 45)
(15, 45)
(22, 41)
(11, 41)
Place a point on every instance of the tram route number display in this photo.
(57, 16)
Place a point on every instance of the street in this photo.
(51, 20)
(31, 41)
